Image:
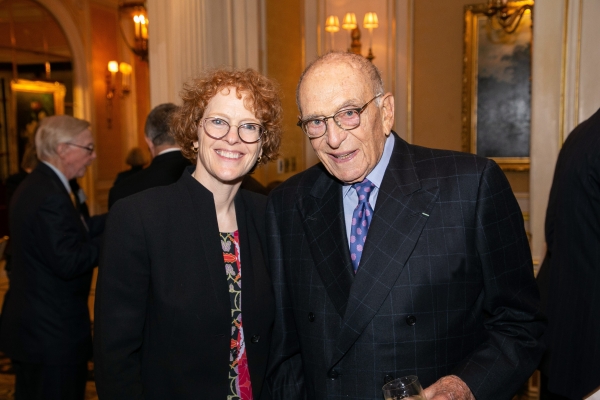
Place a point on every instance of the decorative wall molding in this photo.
(75, 22)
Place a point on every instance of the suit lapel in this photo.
(250, 251)
(323, 221)
(402, 209)
(204, 217)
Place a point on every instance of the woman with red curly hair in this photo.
(169, 300)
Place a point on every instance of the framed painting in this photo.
(32, 101)
(497, 88)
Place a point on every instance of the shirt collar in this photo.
(61, 176)
(376, 175)
(169, 150)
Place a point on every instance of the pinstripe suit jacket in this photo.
(445, 285)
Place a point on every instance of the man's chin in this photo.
(347, 177)
(81, 174)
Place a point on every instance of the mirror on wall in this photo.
(36, 77)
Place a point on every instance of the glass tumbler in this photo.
(407, 387)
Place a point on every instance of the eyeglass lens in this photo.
(218, 128)
(347, 119)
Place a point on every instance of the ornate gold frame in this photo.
(58, 92)
(474, 13)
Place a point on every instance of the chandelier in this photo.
(508, 14)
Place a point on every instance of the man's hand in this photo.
(449, 387)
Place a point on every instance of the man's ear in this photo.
(61, 148)
(387, 112)
(150, 146)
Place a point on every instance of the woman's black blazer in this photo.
(162, 312)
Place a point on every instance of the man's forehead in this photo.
(331, 86)
(336, 71)
(85, 136)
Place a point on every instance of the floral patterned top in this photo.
(240, 386)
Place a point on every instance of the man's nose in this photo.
(335, 135)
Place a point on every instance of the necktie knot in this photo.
(363, 190)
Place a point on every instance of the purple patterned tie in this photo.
(361, 219)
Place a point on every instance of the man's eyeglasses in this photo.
(90, 148)
(346, 118)
(218, 128)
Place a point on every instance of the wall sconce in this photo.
(111, 82)
(113, 68)
(133, 14)
(125, 70)
(370, 22)
(332, 25)
(506, 14)
(349, 23)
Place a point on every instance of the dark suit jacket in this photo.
(572, 265)
(163, 319)
(164, 170)
(445, 284)
(128, 173)
(46, 318)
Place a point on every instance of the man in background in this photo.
(45, 323)
(569, 277)
(167, 161)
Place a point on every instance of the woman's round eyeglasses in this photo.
(346, 118)
(218, 128)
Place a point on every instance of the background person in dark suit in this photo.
(170, 299)
(45, 325)
(167, 163)
(136, 160)
(444, 285)
(569, 277)
(29, 162)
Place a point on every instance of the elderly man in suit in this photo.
(167, 161)
(442, 285)
(45, 325)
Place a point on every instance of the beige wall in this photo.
(284, 36)
(437, 84)
(127, 118)
(438, 74)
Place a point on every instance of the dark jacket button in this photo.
(411, 320)
(255, 338)
(333, 374)
(388, 378)
(311, 317)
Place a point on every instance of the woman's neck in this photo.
(224, 204)
(223, 195)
